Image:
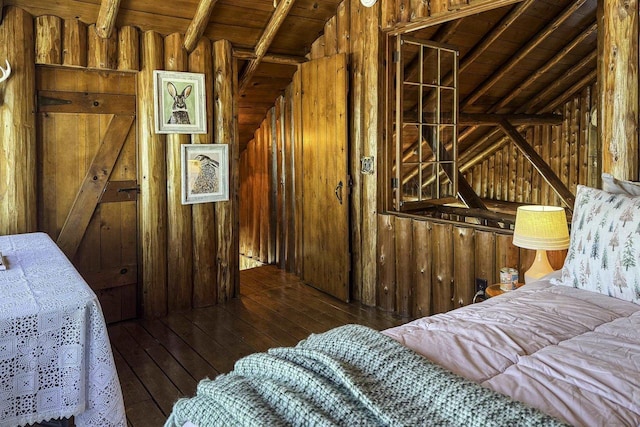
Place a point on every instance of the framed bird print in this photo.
(180, 102)
(205, 173)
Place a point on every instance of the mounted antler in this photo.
(6, 72)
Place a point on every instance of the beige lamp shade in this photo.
(541, 227)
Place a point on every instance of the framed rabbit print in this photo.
(180, 102)
(205, 173)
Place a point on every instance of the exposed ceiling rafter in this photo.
(107, 18)
(265, 41)
(198, 24)
(523, 52)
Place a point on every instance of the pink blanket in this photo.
(571, 353)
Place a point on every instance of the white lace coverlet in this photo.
(55, 355)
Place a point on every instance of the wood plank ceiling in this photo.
(524, 58)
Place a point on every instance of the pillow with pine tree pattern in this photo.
(604, 252)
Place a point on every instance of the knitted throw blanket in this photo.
(352, 376)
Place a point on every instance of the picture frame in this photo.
(205, 173)
(180, 102)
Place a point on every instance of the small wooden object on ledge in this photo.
(494, 290)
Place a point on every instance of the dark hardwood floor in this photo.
(160, 360)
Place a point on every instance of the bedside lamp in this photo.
(541, 228)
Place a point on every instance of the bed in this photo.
(561, 350)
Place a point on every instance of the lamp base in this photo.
(539, 268)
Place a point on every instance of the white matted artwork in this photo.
(180, 102)
(205, 173)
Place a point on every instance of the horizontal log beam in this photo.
(541, 166)
(514, 119)
(249, 55)
(479, 6)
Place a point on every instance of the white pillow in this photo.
(604, 251)
(618, 186)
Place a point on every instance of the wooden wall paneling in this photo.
(519, 173)
(244, 174)
(536, 179)
(205, 268)
(298, 168)
(331, 37)
(272, 176)
(594, 149)
(439, 6)
(574, 145)
(103, 53)
(388, 14)
(422, 268)
(545, 192)
(419, 9)
(527, 256)
(491, 178)
(18, 176)
(498, 178)
(485, 250)
(317, 48)
(463, 265)
(386, 294)
(48, 39)
(507, 255)
(443, 257)
(265, 192)
(555, 160)
(405, 287)
(128, 49)
(280, 184)
(618, 91)
(179, 219)
(153, 183)
(289, 182)
(343, 30)
(256, 190)
(506, 157)
(513, 172)
(226, 132)
(583, 122)
(404, 10)
(527, 172)
(484, 188)
(74, 43)
(477, 178)
(565, 144)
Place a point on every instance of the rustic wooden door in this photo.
(87, 185)
(325, 211)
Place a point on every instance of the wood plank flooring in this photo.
(160, 360)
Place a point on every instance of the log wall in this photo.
(428, 266)
(189, 254)
(570, 149)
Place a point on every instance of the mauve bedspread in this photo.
(573, 354)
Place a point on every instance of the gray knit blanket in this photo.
(348, 376)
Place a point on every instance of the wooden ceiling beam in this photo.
(523, 52)
(538, 162)
(479, 6)
(515, 119)
(198, 24)
(557, 58)
(107, 18)
(265, 41)
(249, 55)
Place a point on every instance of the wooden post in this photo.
(153, 184)
(74, 43)
(48, 40)
(128, 49)
(179, 227)
(618, 87)
(17, 133)
(204, 234)
(102, 52)
(226, 132)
